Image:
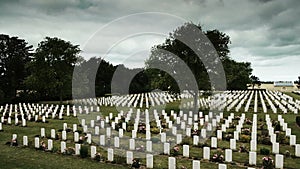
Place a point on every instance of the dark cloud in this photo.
(265, 32)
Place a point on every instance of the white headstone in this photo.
(117, 142)
(149, 161)
(228, 155)
(252, 158)
(76, 137)
(53, 133)
(297, 150)
(129, 156)
(172, 162)
(214, 142)
(195, 140)
(62, 147)
(93, 151)
(64, 135)
(222, 166)
(279, 161)
(167, 148)
(275, 148)
(206, 153)
(186, 150)
(50, 144)
(196, 164)
(163, 137)
(232, 144)
(110, 154)
(102, 140)
(131, 144)
(36, 142)
(25, 141)
(77, 149)
(43, 132)
(253, 145)
(149, 146)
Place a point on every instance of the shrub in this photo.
(84, 151)
(298, 120)
(245, 138)
(264, 151)
(155, 130)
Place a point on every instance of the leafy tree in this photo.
(298, 82)
(164, 55)
(14, 54)
(237, 74)
(254, 81)
(52, 67)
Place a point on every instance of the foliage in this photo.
(264, 151)
(298, 120)
(84, 151)
(245, 138)
(14, 55)
(52, 67)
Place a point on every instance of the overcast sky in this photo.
(263, 32)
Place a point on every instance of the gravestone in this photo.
(222, 166)
(129, 156)
(43, 132)
(279, 161)
(131, 144)
(275, 148)
(117, 142)
(102, 140)
(50, 145)
(186, 150)
(76, 137)
(252, 158)
(77, 149)
(93, 151)
(25, 141)
(167, 148)
(62, 147)
(196, 164)
(232, 144)
(172, 162)
(206, 153)
(36, 142)
(149, 161)
(149, 146)
(110, 154)
(228, 155)
(64, 135)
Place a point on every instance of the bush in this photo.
(298, 120)
(155, 130)
(84, 151)
(245, 138)
(264, 151)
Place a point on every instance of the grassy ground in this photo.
(20, 157)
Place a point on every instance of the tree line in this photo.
(28, 75)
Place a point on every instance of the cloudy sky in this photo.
(263, 32)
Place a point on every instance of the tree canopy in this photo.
(14, 54)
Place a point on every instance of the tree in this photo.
(254, 81)
(237, 74)
(298, 82)
(14, 55)
(52, 67)
(173, 67)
